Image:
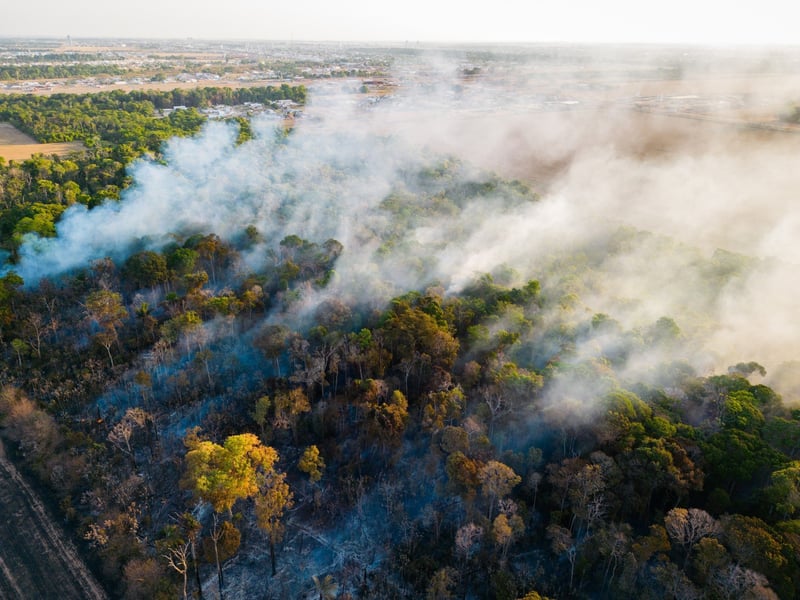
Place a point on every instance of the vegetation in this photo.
(126, 117)
(184, 406)
(117, 127)
(56, 71)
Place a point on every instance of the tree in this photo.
(752, 544)
(534, 595)
(783, 495)
(213, 253)
(260, 411)
(312, 464)
(146, 269)
(181, 261)
(740, 412)
(221, 544)
(673, 582)
(34, 328)
(689, 526)
(177, 556)
(736, 581)
(467, 538)
(454, 439)
(289, 405)
(709, 556)
(191, 528)
(389, 419)
(120, 435)
(443, 408)
(20, 349)
(105, 308)
(271, 340)
(420, 330)
(441, 584)
(274, 499)
(326, 587)
(183, 326)
(505, 529)
(143, 577)
(9, 291)
(561, 542)
(221, 475)
(497, 480)
(736, 456)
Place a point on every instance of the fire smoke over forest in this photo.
(705, 186)
(515, 326)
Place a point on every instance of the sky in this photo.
(609, 21)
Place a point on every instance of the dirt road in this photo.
(36, 558)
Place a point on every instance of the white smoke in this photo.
(702, 186)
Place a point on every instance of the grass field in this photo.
(15, 145)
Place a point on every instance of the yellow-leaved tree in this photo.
(242, 467)
(221, 475)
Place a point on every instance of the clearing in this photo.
(15, 145)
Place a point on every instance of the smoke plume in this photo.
(698, 186)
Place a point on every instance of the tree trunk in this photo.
(196, 564)
(219, 572)
(272, 555)
(215, 539)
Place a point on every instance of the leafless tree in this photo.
(467, 538)
(178, 558)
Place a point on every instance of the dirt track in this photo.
(36, 558)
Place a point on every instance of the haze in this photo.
(617, 21)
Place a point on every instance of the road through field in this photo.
(36, 558)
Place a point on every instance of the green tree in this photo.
(146, 269)
(260, 412)
(783, 493)
(740, 412)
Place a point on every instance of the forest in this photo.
(301, 382)
(117, 127)
(17, 72)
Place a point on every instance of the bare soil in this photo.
(164, 86)
(10, 135)
(24, 152)
(36, 558)
(15, 145)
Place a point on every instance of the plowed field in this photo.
(36, 558)
(15, 145)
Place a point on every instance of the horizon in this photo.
(409, 43)
(580, 21)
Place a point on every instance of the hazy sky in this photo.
(682, 21)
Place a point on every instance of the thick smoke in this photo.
(697, 185)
